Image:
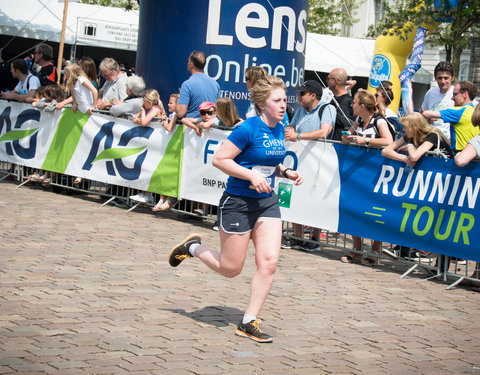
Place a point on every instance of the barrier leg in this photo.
(453, 285)
(409, 271)
(133, 207)
(107, 202)
(23, 183)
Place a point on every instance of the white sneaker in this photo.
(139, 198)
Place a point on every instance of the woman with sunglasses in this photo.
(252, 157)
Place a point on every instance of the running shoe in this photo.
(252, 331)
(310, 246)
(180, 252)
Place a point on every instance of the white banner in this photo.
(313, 203)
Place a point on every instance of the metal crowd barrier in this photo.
(120, 196)
(458, 271)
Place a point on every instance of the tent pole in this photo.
(62, 42)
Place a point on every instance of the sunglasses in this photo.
(302, 93)
(203, 113)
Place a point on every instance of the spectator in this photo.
(115, 87)
(419, 138)
(7, 81)
(165, 202)
(47, 97)
(470, 152)
(43, 58)
(384, 97)
(197, 89)
(90, 69)
(227, 112)
(371, 129)
(152, 107)
(84, 94)
(252, 75)
(170, 123)
(313, 120)
(342, 101)
(207, 118)
(28, 83)
(440, 97)
(460, 117)
(133, 103)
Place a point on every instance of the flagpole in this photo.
(62, 42)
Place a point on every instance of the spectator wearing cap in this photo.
(207, 118)
(313, 120)
(308, 123)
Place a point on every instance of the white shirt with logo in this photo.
(30, 83)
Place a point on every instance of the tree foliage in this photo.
(457, 24)
(328, 16)
(125, 4)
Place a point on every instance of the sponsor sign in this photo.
(233, 34)
(380, 71)
(113, 34)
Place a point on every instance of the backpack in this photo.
(43, 77)
(342, 121)
(391, 127)
(320, 113)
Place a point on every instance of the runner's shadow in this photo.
(218, 316)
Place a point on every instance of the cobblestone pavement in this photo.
(87, 290)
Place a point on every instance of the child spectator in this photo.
(165, 203)
(88, 66)
(172, 117)
(205, 121)
(152, 107)
(84, 94)
(227, 112)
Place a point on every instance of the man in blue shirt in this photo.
(197, 89)
(307, 124)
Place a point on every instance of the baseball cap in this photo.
(206, 105)
(311, 86)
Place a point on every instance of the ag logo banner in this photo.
(25, 133)
(116, 151)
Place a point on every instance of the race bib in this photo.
(267, 172)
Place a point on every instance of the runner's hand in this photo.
(260, 184)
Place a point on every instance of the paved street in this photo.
(87, 289)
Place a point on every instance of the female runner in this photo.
(251, 156)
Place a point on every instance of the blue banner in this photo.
(431, 207)
(233, 34)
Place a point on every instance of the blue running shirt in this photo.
(262, 149)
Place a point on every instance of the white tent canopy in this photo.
(326, 52)
(89, 25)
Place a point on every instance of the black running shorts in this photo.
(239, 214)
